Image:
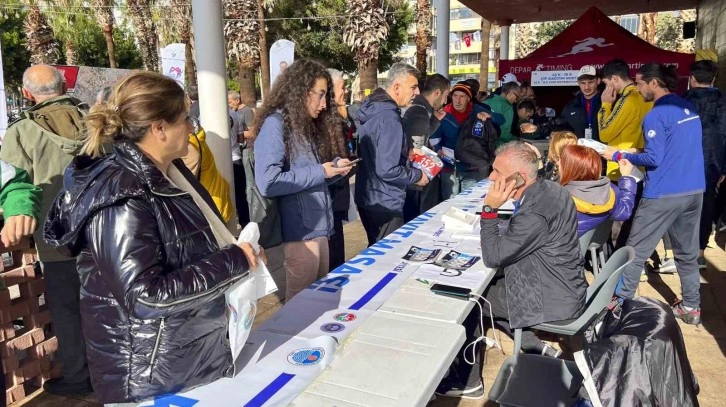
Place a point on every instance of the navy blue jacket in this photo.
(711, 106)
(383, 173)
(673, 157)
(575, 115)
(299, 183)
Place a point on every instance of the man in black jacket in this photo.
(420, 121)
(711, 106)
(538, 254)
(581, 113)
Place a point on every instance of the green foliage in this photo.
(669, 33)
(534, 35)
(324, 41)
(90, 43)
(15, 56)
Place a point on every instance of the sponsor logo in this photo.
(687, 112)
(332, 327)
(586, 45)
(344, 317)
(400, 267)
(651, 133)
(306, 356)
(250, 317)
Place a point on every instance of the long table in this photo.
(368, 334)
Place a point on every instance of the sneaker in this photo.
(667, 266)
(692, 317)
(470, 393)
(643, 276)
(701, 263)
(60, 387)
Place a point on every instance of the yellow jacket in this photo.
(208, 175)
(620, 124)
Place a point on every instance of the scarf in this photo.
(460, 117)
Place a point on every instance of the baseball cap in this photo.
(587, 70)
(509, 77)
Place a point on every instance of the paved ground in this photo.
(706, 344)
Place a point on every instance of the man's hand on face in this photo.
(609, 94)
(500, 192)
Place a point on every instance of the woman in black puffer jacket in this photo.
(153, 274)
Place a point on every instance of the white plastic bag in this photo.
(242, 297)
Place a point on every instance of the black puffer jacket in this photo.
(540, 255)
(711, 106)
(152, 276)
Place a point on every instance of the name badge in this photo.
(588, 133)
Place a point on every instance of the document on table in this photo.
(469, 278)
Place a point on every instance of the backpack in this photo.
(476, 152)
(62, 119)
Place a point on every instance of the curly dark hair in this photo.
(289, 96)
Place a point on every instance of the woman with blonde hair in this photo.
(152, 253)
(558, 141)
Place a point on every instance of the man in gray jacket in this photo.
(538, 254)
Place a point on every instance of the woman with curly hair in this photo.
(294, 162)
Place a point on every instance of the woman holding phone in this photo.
(294, 163)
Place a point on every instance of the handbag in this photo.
(264, 211)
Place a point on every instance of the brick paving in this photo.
(706, 344)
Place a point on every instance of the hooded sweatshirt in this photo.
(34, 144)
(599, 200)
(383, 173)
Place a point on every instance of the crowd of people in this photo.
(135, 217)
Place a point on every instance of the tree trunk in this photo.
(486, 30)
(71, 55)
(110, 45)
(190, 69)
(247, 83)
(368, 76)
(423, 34)
(646, 30)
(264, 51)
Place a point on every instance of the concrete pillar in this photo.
(442, 37)
(504, 48)
(212, 83)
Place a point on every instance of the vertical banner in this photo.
(173, 62)
(3, 100)
(282, 55)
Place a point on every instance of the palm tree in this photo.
(104, 15)
(146, 34)
(486, 32)
(41, 40)
(265, 54)
(242, 32)
(182, 20)
(423, 33)
(364, 32)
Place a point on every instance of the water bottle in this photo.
(478, 129)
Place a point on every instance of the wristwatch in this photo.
(487, 212)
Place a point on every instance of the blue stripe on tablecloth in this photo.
(266, 394)
(373, 291)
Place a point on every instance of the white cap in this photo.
(587, 70)
(509, 77)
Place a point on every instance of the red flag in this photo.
(467, 40)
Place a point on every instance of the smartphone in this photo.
(451, 291)
(518, 180)
(354, 162)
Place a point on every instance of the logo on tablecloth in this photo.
(332, 327)
(306, 356)
(344, 317)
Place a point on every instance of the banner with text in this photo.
(554, 78)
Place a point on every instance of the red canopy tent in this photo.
(594, 39)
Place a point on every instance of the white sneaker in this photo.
(470, 393)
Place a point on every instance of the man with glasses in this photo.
(503, 104)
